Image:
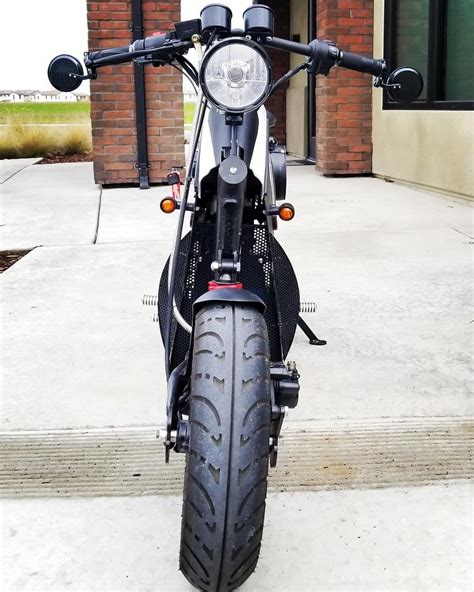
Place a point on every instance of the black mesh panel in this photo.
(265, 270)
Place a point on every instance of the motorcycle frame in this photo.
(229, 206)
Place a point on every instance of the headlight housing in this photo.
(236, 75)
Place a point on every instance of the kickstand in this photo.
(313, 339)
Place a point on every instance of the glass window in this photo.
(437, 38)
(459, 50)
(411, 35)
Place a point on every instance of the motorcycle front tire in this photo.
(225, 482)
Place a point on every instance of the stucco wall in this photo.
(429, 148)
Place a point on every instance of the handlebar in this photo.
(324, 55)
(165, 44)
(353, 61)
(403, 85)
(291, 46)
(163, 48)
(105, 53)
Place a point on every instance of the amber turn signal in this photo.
(286, 212)
(168, 205)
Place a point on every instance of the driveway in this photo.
(371, 490)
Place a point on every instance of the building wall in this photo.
(344, 98)
(428, 148)
(113, 98)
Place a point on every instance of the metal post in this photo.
(142, 164)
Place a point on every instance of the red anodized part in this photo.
(218, 285)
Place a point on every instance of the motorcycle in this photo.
(228, 299)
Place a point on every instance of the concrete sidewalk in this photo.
(390, 270)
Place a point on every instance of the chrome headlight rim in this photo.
(246, 43)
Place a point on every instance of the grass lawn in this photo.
(74, 112)
(23, 133)
(77, 112)
(189, 112)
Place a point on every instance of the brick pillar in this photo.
(113, 98)
(344, 98)
(281, 64)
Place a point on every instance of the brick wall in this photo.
(344, 98)
(113, 98)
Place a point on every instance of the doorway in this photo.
(300, 93)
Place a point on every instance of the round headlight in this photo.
(236, 75)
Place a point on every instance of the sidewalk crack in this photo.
(96, 235)
(464, 233)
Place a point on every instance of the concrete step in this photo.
(315, 455)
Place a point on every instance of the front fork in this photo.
(284, 396)
(231, 188)
(285, 390)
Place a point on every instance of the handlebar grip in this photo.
(120, 55)
(164, 44)
(152, 43)
(353, 61)
(106, 53)
(292, 46)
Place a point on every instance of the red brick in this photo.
(363, 12)
(343, 112)
(351, 4)
(113, 97)
(362, 148)
(357, 167)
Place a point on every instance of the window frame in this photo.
(434, 82)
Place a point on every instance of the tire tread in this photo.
(227, 465)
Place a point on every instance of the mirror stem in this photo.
(92, 75)
(379, 83)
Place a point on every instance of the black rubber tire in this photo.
(225, 481)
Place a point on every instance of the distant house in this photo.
(82, 96)
(41, 96)
(47, 95)
(9, 95)
(54, 95)
(26, 95)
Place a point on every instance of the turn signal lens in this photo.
(168, 205)
(286, 212)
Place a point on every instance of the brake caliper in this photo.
(285, 391)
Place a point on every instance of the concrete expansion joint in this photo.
(365, 453)
(99, 210)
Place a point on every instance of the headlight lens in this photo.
(236, 75)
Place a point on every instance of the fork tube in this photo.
(231, 187)
(179, 231)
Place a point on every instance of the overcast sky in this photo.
(34, 31)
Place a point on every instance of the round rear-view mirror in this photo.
(65, 72)
(405, 85)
